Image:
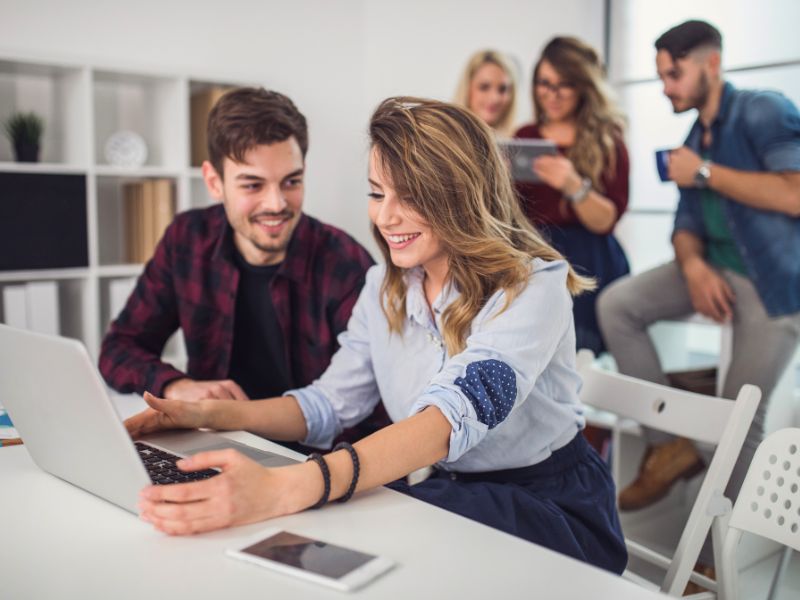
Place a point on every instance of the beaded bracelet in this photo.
(326, 478)
(354, 457)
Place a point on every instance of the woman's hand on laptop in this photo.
(244, 492)
(167, 414)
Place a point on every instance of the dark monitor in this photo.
(42, 221)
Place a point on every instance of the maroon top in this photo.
(545, 205)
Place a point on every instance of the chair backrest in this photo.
(694, 416)
(769, 501)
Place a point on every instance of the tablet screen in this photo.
(309, 555)
(521, 153)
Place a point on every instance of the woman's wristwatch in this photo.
(580, 194)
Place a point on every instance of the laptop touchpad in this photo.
(194, 442)
(267, 459)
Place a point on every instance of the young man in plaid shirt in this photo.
(260, 289)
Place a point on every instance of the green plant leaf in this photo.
(24, 128)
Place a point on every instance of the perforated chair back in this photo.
(769, 501)
(768, 504)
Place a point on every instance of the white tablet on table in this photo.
(321, 562)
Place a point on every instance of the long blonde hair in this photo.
(444, 163)
(599, 124)
(505, 123)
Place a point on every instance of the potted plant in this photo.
(25, 132)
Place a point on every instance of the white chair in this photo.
(723, 423)
(768, 505)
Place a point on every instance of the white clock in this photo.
(126, 149)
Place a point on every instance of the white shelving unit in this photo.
(82, 105)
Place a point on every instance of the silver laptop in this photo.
(62, 411)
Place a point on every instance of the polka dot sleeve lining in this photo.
(491, 388)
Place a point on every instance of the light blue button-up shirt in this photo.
(511, 396)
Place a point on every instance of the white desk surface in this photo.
(57, 541)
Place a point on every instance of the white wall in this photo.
(754, 33)
(419, 47)
(335, 59)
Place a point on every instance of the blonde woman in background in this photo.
(466, 334)
(584, 189)
(488, 88)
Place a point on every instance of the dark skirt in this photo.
(565, 503)
(593, 255)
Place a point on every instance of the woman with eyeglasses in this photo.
(488, 88)
(584, 189)
(465, 334)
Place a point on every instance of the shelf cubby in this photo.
(58, 95)
(146, 105)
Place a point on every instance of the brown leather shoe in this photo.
(661, 466)
(692, 587)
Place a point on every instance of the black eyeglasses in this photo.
(559, 89)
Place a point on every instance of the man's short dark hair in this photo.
(682, 39)
(248, 117)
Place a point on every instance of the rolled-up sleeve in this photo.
(506, 351)
(347, 391)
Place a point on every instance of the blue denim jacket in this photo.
(754, 131)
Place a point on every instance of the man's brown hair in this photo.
(248, 117)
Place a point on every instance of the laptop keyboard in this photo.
(161, 467)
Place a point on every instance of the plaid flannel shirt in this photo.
(191, 283)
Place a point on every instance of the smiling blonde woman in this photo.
(488, 87)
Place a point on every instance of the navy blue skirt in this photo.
(565, 503)
(598, 256)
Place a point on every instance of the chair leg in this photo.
(719, 529)
(786, 557)
(727, 569)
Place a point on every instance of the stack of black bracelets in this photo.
(326, 474)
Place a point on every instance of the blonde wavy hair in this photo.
(444, 163)
(483, 57)
(599, 124)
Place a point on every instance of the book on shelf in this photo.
(149, 207)
(148, 225)
(32, 306)
(43, 307)
(201, 104)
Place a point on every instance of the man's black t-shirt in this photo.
(258, 358)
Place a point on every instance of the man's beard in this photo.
(698, 99)
(278, 244)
